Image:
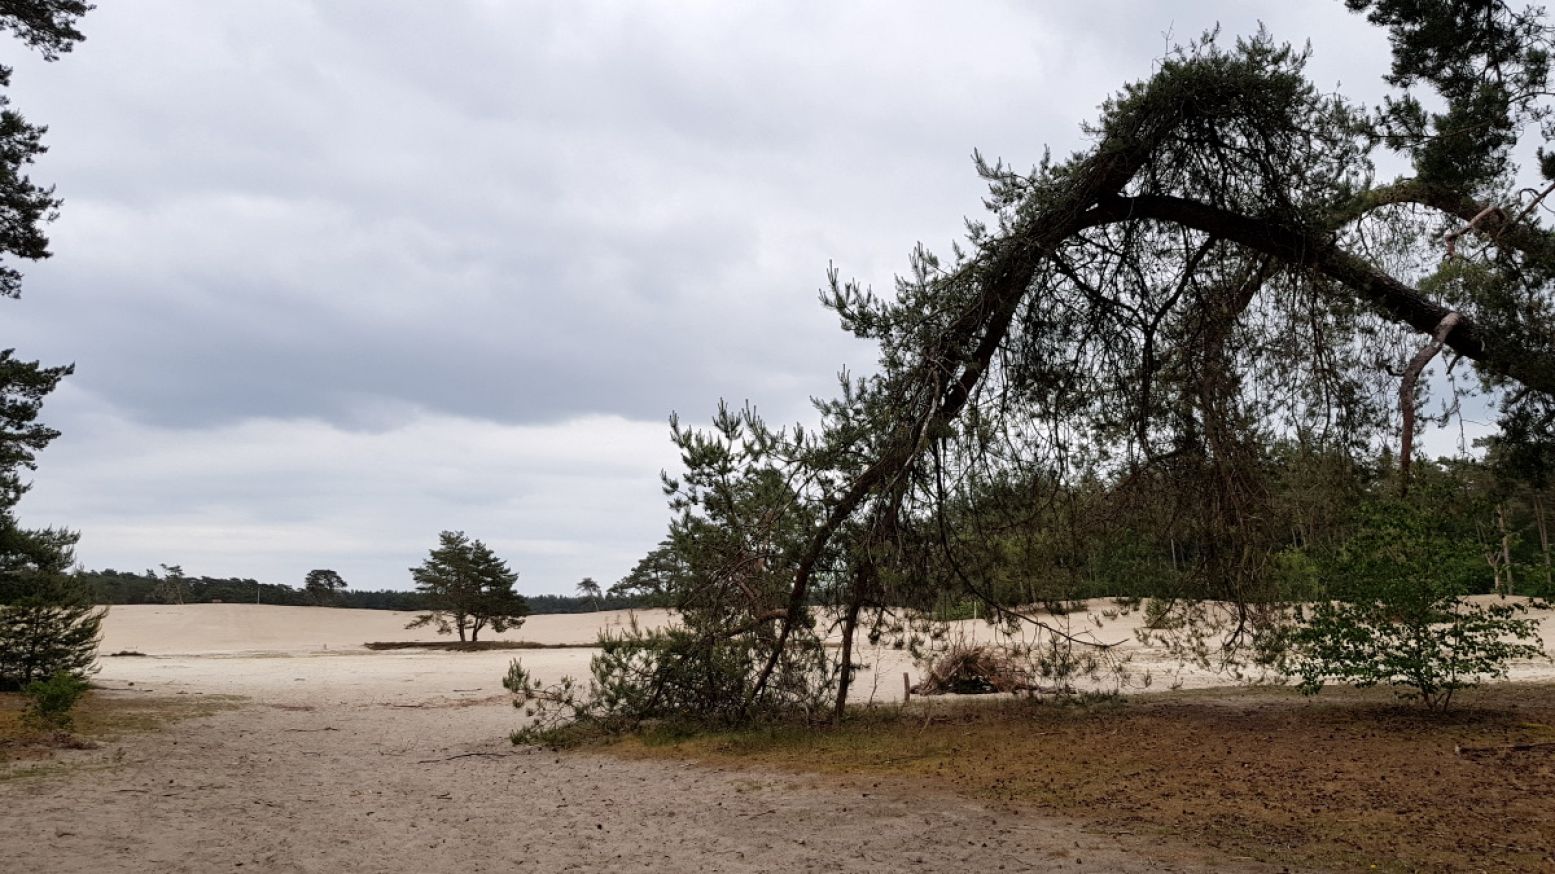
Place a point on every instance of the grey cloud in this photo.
(386, 226)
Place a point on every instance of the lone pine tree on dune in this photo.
(323, 585)
(467, 588)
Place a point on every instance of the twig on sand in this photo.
(325, 728)
(1504, 748)
(466, 756)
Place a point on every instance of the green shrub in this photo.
(679, 675)
(51, 702)
(1397, 615)
(47, 625)
(1430, 652)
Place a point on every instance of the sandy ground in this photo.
(345, 760)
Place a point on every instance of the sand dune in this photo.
(204, 629)
(298, 653)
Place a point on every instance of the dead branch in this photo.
(466, 756)
(1406, 395)
(1504, 748)
(1451, 237)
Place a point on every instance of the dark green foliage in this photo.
(1398, 614)
(323, 586)
(539, 604)
(590, 590)
(679, 675)
(49, 27)
(46, 25)
(46, 623)
(46, 627)
(50, 701)
(1487, 60)
(111, 586)
(23, 386)
(1428, 648)
(725, 568)
(465, 588)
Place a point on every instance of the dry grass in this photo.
(1348, 780)
(101, 716)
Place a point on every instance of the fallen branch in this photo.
(1504, 748)
(466, 756)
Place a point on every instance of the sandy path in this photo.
(372, 788)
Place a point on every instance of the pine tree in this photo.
(47, 625)
(323, 585)
(467, 588)
(588, 588)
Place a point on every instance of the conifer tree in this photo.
(47, 625)
(467, 588)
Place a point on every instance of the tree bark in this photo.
(1544, 536)
(1506, 547)
(1406, 397)
(849, 626)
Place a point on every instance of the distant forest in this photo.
(126, 587)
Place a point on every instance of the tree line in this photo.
(109, 587)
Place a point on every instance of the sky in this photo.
(338, 275)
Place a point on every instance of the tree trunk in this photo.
(1544, 536)
(849, 626)
(1506, 546)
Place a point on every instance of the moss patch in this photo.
(101, 716)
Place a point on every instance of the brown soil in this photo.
(431, 786)
(1347, 780)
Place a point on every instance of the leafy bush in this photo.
(1399, 616)
(1431, 652)
(50, 702)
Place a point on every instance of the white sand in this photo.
(344, 760)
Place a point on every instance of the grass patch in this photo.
(101, 716)
(479, 646)
(1347, 780)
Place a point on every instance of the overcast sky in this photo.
(338, 275)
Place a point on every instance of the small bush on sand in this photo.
(1399, 616)
(674, 674)
(51, 702)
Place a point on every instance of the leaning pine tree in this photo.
(47, 625)
(1220, 272)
